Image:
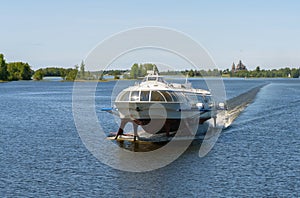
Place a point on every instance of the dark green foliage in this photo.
(257, 69)
(200, 73)
(66, 74)
(3, 68)
(38, 75)
(116, 74)
(53, 71)
(171, 72)
(22, 71)
(257, 73)
(274, 73)
(63, 72)
(295, 73)
(191, 73)
(139, 71)
(19, 71)
(71, 74)
(111, 72)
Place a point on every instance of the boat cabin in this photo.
(150, 96)
(154, 78)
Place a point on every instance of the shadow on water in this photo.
(140, 147)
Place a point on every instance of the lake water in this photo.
(41, 153)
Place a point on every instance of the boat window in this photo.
(135, 96)
(160, 79)
(181, 97)
(167, 96)
(200, 98)
(156, 96)
(151, 78)
(207, 99)
(192, 97)
(124, 96)
(145, 95)
(173, 95)
(210, 100)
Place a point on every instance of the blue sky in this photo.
(61, 33)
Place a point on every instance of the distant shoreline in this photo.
(111, 80)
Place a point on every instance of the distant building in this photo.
(239, 67)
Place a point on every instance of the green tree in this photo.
(191, 73)
(82, 69)
(63, 73)
(257, 69)
(71, 74)
(3, 68)
(13, 72)
(287, 71)
(38, 75)
(26, 71)
(19, 71)
(295, 73)
(134, 72)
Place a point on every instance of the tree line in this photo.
(14, 71)
(67, 74)
(140, 70)
(194, 73)
(262, 73)
(257, 73)
(22, 71)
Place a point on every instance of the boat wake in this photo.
(237, 104)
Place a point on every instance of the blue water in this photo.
(41, 152)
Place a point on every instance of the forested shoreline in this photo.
(14, 71)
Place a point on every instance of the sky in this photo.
(63, 33)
